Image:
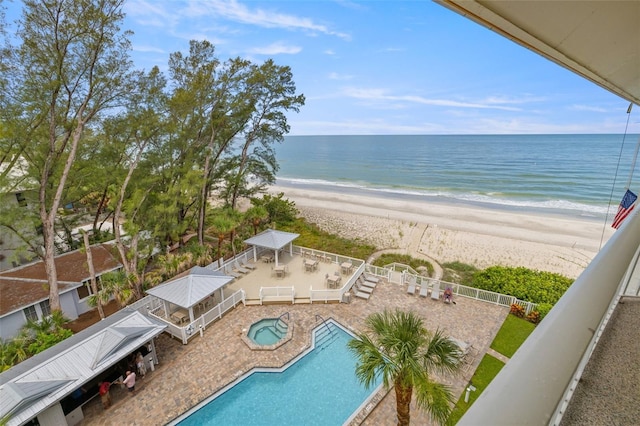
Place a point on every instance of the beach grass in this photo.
(512, 334)
(488, 368)
(458, 272)
(311, 236)
(405, 259)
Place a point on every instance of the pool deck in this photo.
(188, 374)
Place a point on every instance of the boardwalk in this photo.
(187, 374)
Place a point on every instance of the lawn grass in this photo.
(512, 334)
(488, 368)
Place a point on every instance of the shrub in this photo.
(534, 317)
(542, 288)
(517, 310)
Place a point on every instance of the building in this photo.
(25, 296)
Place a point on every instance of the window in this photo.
(46, 309)
(85, 290)
(30, 313)
(22, 201)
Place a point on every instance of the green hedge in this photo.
(543, 288)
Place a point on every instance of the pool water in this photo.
(266, 332)
(320, 388)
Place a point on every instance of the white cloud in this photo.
(276, 49)
(381, 95)
(237, 12)
(336, 76)
(147, 49)
(588, 108)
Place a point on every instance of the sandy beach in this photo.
(446, 233)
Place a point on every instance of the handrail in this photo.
(275, 324)
(323, 322)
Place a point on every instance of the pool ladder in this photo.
(324, 338)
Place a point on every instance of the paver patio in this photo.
(187, 374)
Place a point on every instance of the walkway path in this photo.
(413, 249)
(497, 355)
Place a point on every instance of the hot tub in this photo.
(268, 334)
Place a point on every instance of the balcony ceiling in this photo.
(599, 40)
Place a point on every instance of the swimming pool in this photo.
(318, 388)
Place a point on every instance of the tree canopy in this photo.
(89, 138)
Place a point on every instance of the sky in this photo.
(384, 67)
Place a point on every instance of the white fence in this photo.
(184, 333)
(277, 294)
(473, 293)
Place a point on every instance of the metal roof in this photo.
(192, 288)
(272, 239)
(45, 379)
(599, 40)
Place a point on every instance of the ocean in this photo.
(557, 174)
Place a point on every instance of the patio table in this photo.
(279, 270)
(310, 265)
(333, 281)
(346, 267)
(180, 316)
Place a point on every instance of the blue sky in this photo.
(385, 67)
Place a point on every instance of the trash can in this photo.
(346, 298)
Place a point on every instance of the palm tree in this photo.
(397, 346)
(256, 215)
(114, 284)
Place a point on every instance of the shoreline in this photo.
(453, 232)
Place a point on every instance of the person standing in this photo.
(105, 396)
(130, 381)
(142, 369)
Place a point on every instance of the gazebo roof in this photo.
(272, 239)
(189, 289)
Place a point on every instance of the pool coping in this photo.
(364, 408)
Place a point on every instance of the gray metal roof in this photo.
(192, 288)
(272, 239)
(43, 380)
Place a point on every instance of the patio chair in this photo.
(238, 268)
(362, 295)
(365, 283)
(248, 265)
(435, 292)
(424, 290)
(364, 289)
(371, 278)
(233, 274)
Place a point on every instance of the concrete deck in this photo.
(187, 374)
(296, 276)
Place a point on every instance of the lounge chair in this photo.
(232, 274)
(238, 268)
(364, 289)
(364, 283)
(424, 290)
(362, 295)
(248, 265)
(411, 289)
(435, 292)
(371, 279)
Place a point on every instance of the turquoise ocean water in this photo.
(557, 174)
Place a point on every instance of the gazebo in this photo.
(272, 240)
(190, 288)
